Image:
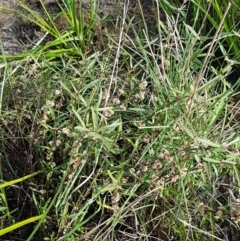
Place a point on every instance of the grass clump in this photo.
(68, 32)
(135, 140)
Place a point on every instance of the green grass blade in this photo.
(20, 224)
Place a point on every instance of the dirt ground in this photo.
(7, 31)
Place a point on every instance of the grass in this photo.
(133, 139)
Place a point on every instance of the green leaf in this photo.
(6, 184)
(20, 224)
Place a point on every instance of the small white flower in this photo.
(142, 95)
(122, 107)
(116, 101)
(50, 103)
(53, 164)
(78, 144)
(57, 92)
(58, 142)
(43, 192)
(143, 85)
(151, 152)
(121, 91)
(66, 131)
(109, 113)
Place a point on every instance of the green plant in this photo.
(223, 13)
(69, 33)
(5, 209)
(134, 142)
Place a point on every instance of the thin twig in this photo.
(116, 60)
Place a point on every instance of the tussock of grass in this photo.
(135, 140)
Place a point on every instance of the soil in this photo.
(7, 22)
